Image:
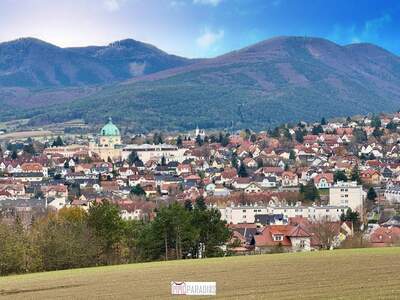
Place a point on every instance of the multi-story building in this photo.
(148, 152)
(247, 213)
(347, 194)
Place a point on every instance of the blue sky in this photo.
(200, 28)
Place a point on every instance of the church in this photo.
(108, 145)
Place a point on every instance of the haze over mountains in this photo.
(284, 79)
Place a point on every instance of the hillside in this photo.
(32, 63)
(284, 79)
(340, 274)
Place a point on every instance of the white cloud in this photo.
(177, 3)
(369, 32)
(207, 2)
(209, 38)
(112, 5)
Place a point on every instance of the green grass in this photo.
(339, 274)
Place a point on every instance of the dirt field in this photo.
(26, 134)
(339, 274)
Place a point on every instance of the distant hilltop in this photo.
(283, 79)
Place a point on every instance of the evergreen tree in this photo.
(377, 133)
(157, 138)
(355, 175)
(340, 176)
(376, 122)
(317, 130)
(323, 121)
(199, 140)
(133, 158)
(179, 141)
(106, 222)
(14, 155)
(29, 149)
(163, 161)
(391, 126)
(58, 142)
(299, 136)
(200, 203)
(371, 195)
(360, 135)
(242, 172)
(292, 155)
(138, 190)
(188, 205)
(353, 217)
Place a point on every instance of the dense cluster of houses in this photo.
(258, 181)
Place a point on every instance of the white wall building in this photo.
(347, 194)
(392, 194)
(246, 213)
(148, 152)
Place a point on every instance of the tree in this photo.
(223, 139)
(58, 142)
(292, 155)
(323, 121)
(242, 172)
(163, 161)
(360, 135)
(212, 232)
(157, 138)
(14, 155)
(105, 221)
(339, 176)
(133, 158)
(376, 122)
(29, 149)
(18, 254)
(353, 217)
(299, 136)
(138, 190)
(371, 195)
(309, 191)
(64, 241)
(179, 142)
(200, 203)
(355, 175)
(377, 133)
(199, 141)
(391, 126)
(325, 233)
(317, 130)
(234, 160)
(188, 205)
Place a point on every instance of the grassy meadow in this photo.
(341, 274)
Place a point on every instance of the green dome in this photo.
(110, 129)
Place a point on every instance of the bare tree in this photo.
(325, 233)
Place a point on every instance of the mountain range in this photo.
(283, 79)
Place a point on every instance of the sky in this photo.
(200, 28)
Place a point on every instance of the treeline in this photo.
(74, 238)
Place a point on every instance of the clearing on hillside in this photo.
(339, 274)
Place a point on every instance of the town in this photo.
(303, 187)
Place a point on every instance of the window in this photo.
(244, 210)
(302, 244)
(278, 237)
